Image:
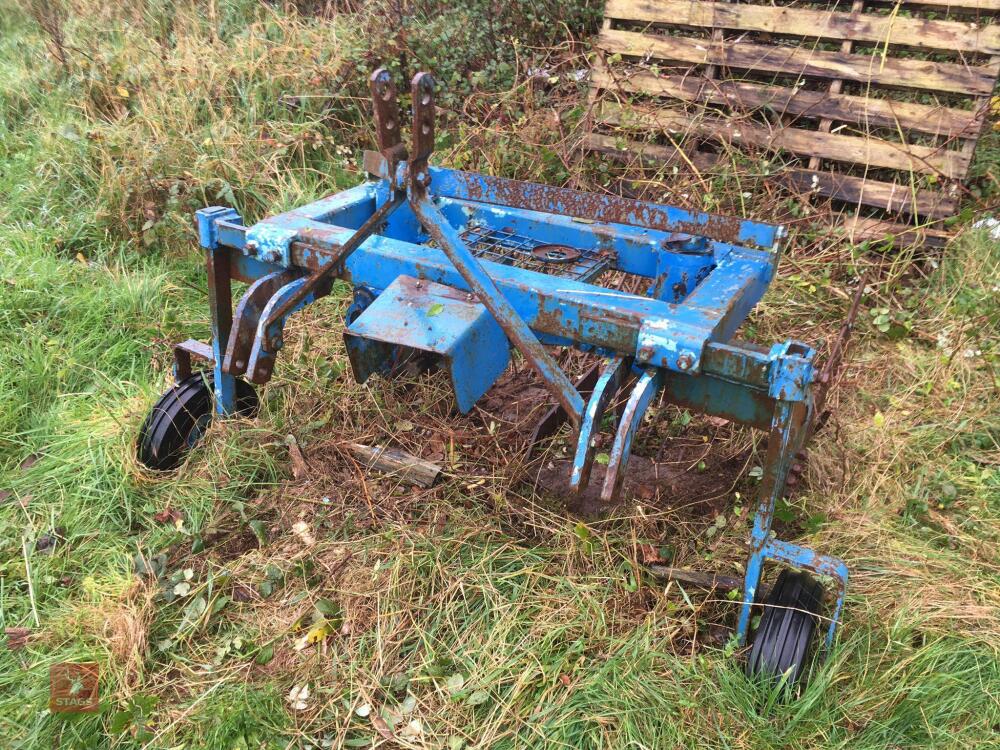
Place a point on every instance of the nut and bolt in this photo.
(685, 361)
(645, 354)
(250, 248)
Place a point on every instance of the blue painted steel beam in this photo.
(452, 183)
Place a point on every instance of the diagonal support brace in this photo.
(517, 330)
(437, 225)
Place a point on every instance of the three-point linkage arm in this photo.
(418, 178)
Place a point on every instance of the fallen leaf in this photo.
(409, 703)
(298, 697)
(363, 710)
(456, 682)
(28, 462)
(167, 515)
(645, 492)
(317, 633)
(436, 309)
(650, 555)
(414, 729)
(300, 469)
(565, 680)
(17, 638)
(477, 698)
(382, 727)
(301, 530)
(122, 92)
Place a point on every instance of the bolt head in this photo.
(645, 354)
(685, 361)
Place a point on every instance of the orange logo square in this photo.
(73, 687)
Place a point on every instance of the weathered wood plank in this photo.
(837, 84)
(984, 7)
(860, 229)
(859, 190)
(846, 188)
(742, 96)
(845, 148)
(409, 468)
(914, 74)
(649, 153)
(812, 23)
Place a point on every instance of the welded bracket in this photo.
(270, 243)
(206, 220)
(672, 344)
(791, 373)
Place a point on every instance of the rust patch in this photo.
(591, 206)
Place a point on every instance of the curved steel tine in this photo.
(608, 384)
(247, 317)
(268, 339)
(638, 402)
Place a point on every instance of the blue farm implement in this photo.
(462, 268)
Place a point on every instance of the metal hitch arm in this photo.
(437, 225)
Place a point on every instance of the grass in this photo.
(479, 613)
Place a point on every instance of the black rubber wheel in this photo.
(781, 643)
(179, 419)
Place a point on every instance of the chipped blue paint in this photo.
(421, 316)
(270, 242)
(793, 371)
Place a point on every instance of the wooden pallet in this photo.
(874, 104)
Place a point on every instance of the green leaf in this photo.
(329, 609)
(265, 654)
(259, 531)
(119, 722)
(477, 698)
(603, 459)
(455, 683)
(436, 309)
